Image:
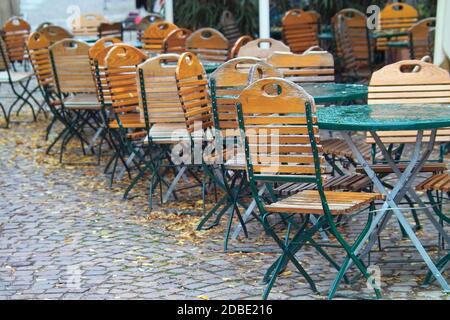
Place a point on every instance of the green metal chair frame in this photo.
(295, 101)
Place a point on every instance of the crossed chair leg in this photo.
(291, 246)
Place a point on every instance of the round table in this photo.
(393, 117)
(336, 92)
(389, 117)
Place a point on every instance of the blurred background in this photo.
(191, 14)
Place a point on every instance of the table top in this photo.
(336, 92)
(387, 117)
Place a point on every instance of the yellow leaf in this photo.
(203, 297)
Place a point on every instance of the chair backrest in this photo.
(300, 29)
(352, 39)
(15, 34)
(114, 30)
(55, 33)
(310, 67)
(227, 83)
(146, 22)
(152, 18)
(419, 38)
(175, 42)
(192, 86)
(158, 91)
(279, 129)
(38, 50)
(409, 82)
(396, 16)
(209, 45)
(242, 41)
(121, 65)
(229, 26)
(97, 56)
(87, 24)
(154, 35)
(71, 67)
(262, 48)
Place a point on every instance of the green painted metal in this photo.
(388, 117)
(388, 34)
(398, 44)
(210, 67)
(303, 235)
(336, 92)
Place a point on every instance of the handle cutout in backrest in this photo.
(410, 68)
(206, 34)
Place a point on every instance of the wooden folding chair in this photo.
(300, 29)
(229, 26)
(153, 37)
(209, 45)
(396, 16)
(175, 42)
(419, 39)
(86, 25)
(75, 91)
(19, 83)
(353, 45)
(15, 33)
(226, 83)
(262, 48)
(55, 33)
(146, 22)
(97, 56)
(120, 68)
(38, 51)
(161, 110)
(242, 41)
(281, 138)
(110, 30)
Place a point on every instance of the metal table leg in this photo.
(393, 197)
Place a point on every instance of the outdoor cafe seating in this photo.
(285, 137)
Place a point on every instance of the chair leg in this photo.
(350, 251)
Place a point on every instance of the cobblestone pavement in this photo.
(64, 234)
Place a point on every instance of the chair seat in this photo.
(340, 148)
(438, 182)
(15, 76)
(351, 182)
(169, 133)
(129, 120)
(309, 202)
(384, 168)
(82, 101)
